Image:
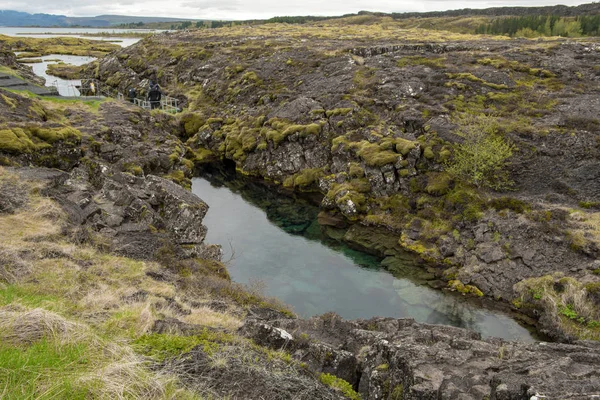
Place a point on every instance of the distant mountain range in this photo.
(17, 18)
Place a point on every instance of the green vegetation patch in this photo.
(573, 305)
(482, 158)
(163, 346)
(338, 112)
(65, 71)
(305, 178)
(373, 155)
(44, 370)
(465, 289)
(387, 151)
(192, 122)
(472, 78)
(438, 183)
(340, 385)
(510, 203)
(52, 135)
(502, 63)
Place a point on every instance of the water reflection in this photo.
(277, 240)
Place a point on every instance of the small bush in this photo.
(482, 157)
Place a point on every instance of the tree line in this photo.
(543, 25)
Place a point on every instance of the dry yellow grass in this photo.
(70, 295)
(588, 227)
(21, 327)
(208, 317)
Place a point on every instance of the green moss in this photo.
(404, 146)
(472, 78)
(33, 137)
(372, 153)
(15, 140)
(589, 204)
(251, 77)
(281, 129)
(307, 177)
(214, 120)
(202, 155)
(465, 289)
(509, 203)
(191, 122)
(338, 112)
(179, 177)
(438, 183)
(445, 155)
(164, 346)
(593, 287)
(262, 145)
(356, 171)
(12, 103)
(312, 129)
(52, 135)
(397, 393)
(428, 153)
(339, 384)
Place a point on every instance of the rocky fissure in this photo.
(373, 135)
(372, 121)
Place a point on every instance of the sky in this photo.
(255, 9)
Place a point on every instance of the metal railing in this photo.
(94, 88)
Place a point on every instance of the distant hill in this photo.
(17, 18)
(559, 10)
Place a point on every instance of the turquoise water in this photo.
(274, 241)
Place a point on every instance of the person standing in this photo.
(131, 95)
(154, 96)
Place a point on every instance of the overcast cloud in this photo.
(245, 9)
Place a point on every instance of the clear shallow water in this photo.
(277, 241)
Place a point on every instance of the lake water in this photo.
(67, 87)
(277, 241)
(80, 32)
